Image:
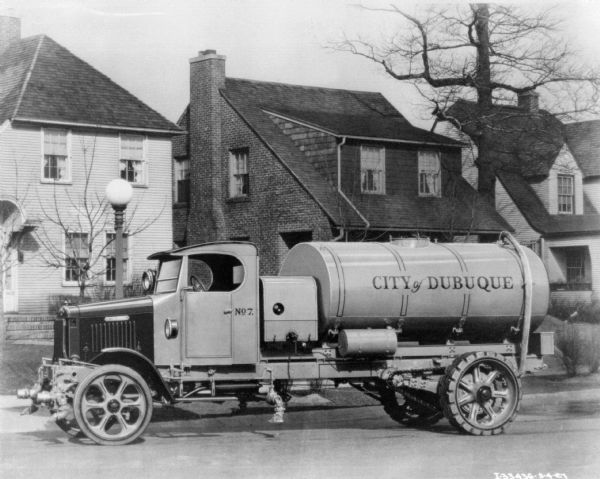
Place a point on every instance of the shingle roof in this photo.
(583, 139)
(522, 141)
(340, 112)
(364, 115)
(536, 214)
(42, 81)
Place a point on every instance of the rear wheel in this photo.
(481, 393)
(113, 405)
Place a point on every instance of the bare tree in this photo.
(486, 54)
(82, 220)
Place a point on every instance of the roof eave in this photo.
(439, 229)
(41, 121)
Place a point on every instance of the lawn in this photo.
(19, 364)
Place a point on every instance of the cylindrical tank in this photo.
(427, 292)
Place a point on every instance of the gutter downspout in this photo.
(341, 193)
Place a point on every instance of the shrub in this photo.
(579, 347)
(578, 312)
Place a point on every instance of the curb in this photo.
(577, 394)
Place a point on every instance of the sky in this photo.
(145, 45)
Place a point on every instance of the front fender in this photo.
(140, 364)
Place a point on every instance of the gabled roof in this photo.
(583, 139)
(362, 115)
(535, 212)
(527, 142)
(42, 82)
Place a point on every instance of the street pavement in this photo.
(333, 435)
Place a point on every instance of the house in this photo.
(66, 130)
(278, 164)
(548, 188)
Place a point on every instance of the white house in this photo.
(66, 130)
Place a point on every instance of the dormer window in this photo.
(372, 170)
(566, 194)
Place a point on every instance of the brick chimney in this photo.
(10, 31)
(529, 101)
(207, 76)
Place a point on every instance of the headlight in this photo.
(148, 278)
(171, 328)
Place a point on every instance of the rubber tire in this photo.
(106, 370)
(448, 388)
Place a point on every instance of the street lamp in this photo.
(118, 194)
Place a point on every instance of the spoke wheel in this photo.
(481, 393)
(113, 405)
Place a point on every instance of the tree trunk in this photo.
(483, 80)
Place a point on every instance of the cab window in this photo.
(214, 272)
(168, 274)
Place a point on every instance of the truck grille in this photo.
(120, 334)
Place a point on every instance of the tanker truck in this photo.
(432, 330)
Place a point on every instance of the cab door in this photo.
(220, 308)
(208, 325)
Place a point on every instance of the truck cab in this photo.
(206, 305)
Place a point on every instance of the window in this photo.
(110, 253)
(55, 164)
(182, 181)
(76, 256)
(168, 274)
(131, 164)
(565, 194)
(238, 168)
(215, 272)
(575, 265)
(430, 173)
(372, 170)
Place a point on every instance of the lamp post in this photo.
(118, 194)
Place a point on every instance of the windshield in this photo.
(168, 274)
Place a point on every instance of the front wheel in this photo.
(481, 393)
(113, 405)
